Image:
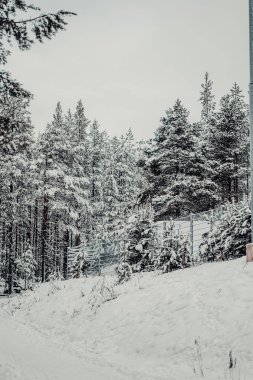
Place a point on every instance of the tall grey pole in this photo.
(251, 106)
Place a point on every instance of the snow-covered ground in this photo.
(178, 326)
(29, 355)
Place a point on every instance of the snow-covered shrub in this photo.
(25, 266)
(80, 265)
(53, 288)
(123, 272)
(55, 276)
(229, 236)
(174, 252)
(139, 241)
(101, 292)
(144, 250)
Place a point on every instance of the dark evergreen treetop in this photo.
(207, 99)
(229, 145)
(175, 168)
(16, 132)
(24, 31)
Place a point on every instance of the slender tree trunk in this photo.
(29, 229)
(35, 237)
(44, 237)
(56, 247)
(3, 242)
(10, 249)
(229, 197)
(65, 257)
(17, 242)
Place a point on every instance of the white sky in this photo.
(128, 60)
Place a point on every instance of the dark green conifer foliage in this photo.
(229, 147)
(176, 168)
(24, 23)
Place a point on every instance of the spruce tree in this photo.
(125, 171)
(111, 192)
(78, 125)
(208, 116)
(229, 235)
(97, 175)
(176, 168)
(229, 147)
(174, 250)
(139, 240)
(207, 101)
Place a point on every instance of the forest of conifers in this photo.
(73, 182)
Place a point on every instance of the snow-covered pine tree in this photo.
(80, 146)
(207, 100)
(176, 168)
(98, 145)
(123, 272)
(208, 119)
(175, 250)
(111, 197)
(80, 265)
(229, 235)
(81, 123)
(126, 171)
(20, 26)
(121, 186)
(229, 147)
(25, 266)
(139, 240)
(64, 193)
(16, 136)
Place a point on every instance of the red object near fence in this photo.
(249, 253)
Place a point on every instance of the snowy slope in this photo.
(28, 355)
(178, 326)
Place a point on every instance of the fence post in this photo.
(67, 268)
(99, 258)
(191, 233)
(211, 228)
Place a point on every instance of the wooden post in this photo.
(249, 253)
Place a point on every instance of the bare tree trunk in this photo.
(35, 237)
(65, 257)
(10, 249)
(44, 237)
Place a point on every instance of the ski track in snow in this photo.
(26, 355)
(168, 327)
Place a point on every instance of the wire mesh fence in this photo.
(195, 226)
(103, 255)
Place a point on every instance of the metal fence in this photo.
(103, 255)
(193, 225)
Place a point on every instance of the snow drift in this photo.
(189, 324)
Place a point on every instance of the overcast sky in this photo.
(129, 60)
